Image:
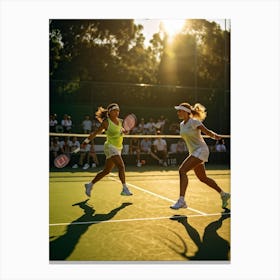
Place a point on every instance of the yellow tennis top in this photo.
(114, 134)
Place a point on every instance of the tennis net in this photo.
(138, 150)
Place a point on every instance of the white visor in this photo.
(183, 108)
(114, 108)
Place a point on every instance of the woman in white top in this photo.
(190, 130)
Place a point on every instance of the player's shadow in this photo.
(64, 245)
(212, 246)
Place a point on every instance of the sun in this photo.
(172, 26)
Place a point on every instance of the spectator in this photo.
(176, 151)
(74, 145)
(165, 128)
(160, 124)
(146, 147)
(67, 123)
(55, 147)
(134, 149)
(142, 127)
(87, 156)
(160, 150)
(87, 125)
(150, 127)
(135, 130)
(173, 148)
(220, 146)
(53, 122)
(181, 147)
(92, 157)
(83, 156)
(174, 128)
(95, 124)
(66, 145)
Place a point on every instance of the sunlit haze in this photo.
(172, 26)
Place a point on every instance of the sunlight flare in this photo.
(172, 27)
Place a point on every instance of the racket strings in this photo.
(129, 122)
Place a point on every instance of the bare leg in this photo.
(138, 155)
(82, 157)
(118, 161)
(154, 156)
(95, 159)
(188, 164)
(201, 175)
(109, 164)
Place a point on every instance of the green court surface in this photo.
(142, 227)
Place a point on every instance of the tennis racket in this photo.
(63, 159)
(129, 122)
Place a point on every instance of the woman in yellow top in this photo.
(111, 123)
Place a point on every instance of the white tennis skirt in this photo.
(110, 150)
(201, 153)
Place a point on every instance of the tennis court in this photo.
(142, 227)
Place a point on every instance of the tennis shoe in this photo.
(179, 204)
(126, 192)
(88, 189)
(225, 199)
(86, 166)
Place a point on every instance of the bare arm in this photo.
(210, 133)
(100, 129)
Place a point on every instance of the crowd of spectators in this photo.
(66, 124)
(88, 124)
(157, 148)
(86, 157)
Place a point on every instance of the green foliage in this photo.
(95, 61)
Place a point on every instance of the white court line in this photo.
(137, 219)
(157, 195)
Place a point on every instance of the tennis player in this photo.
(110, 122)
(190, 130)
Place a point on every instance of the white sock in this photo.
(222, 193)
(181, 198)
(124, 186)
(90, 183)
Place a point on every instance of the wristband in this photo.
(86, 141)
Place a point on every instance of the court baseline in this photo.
(138, 219)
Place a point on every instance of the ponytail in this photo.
(101, 114)
(199, 112)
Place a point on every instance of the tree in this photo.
(196, 57)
